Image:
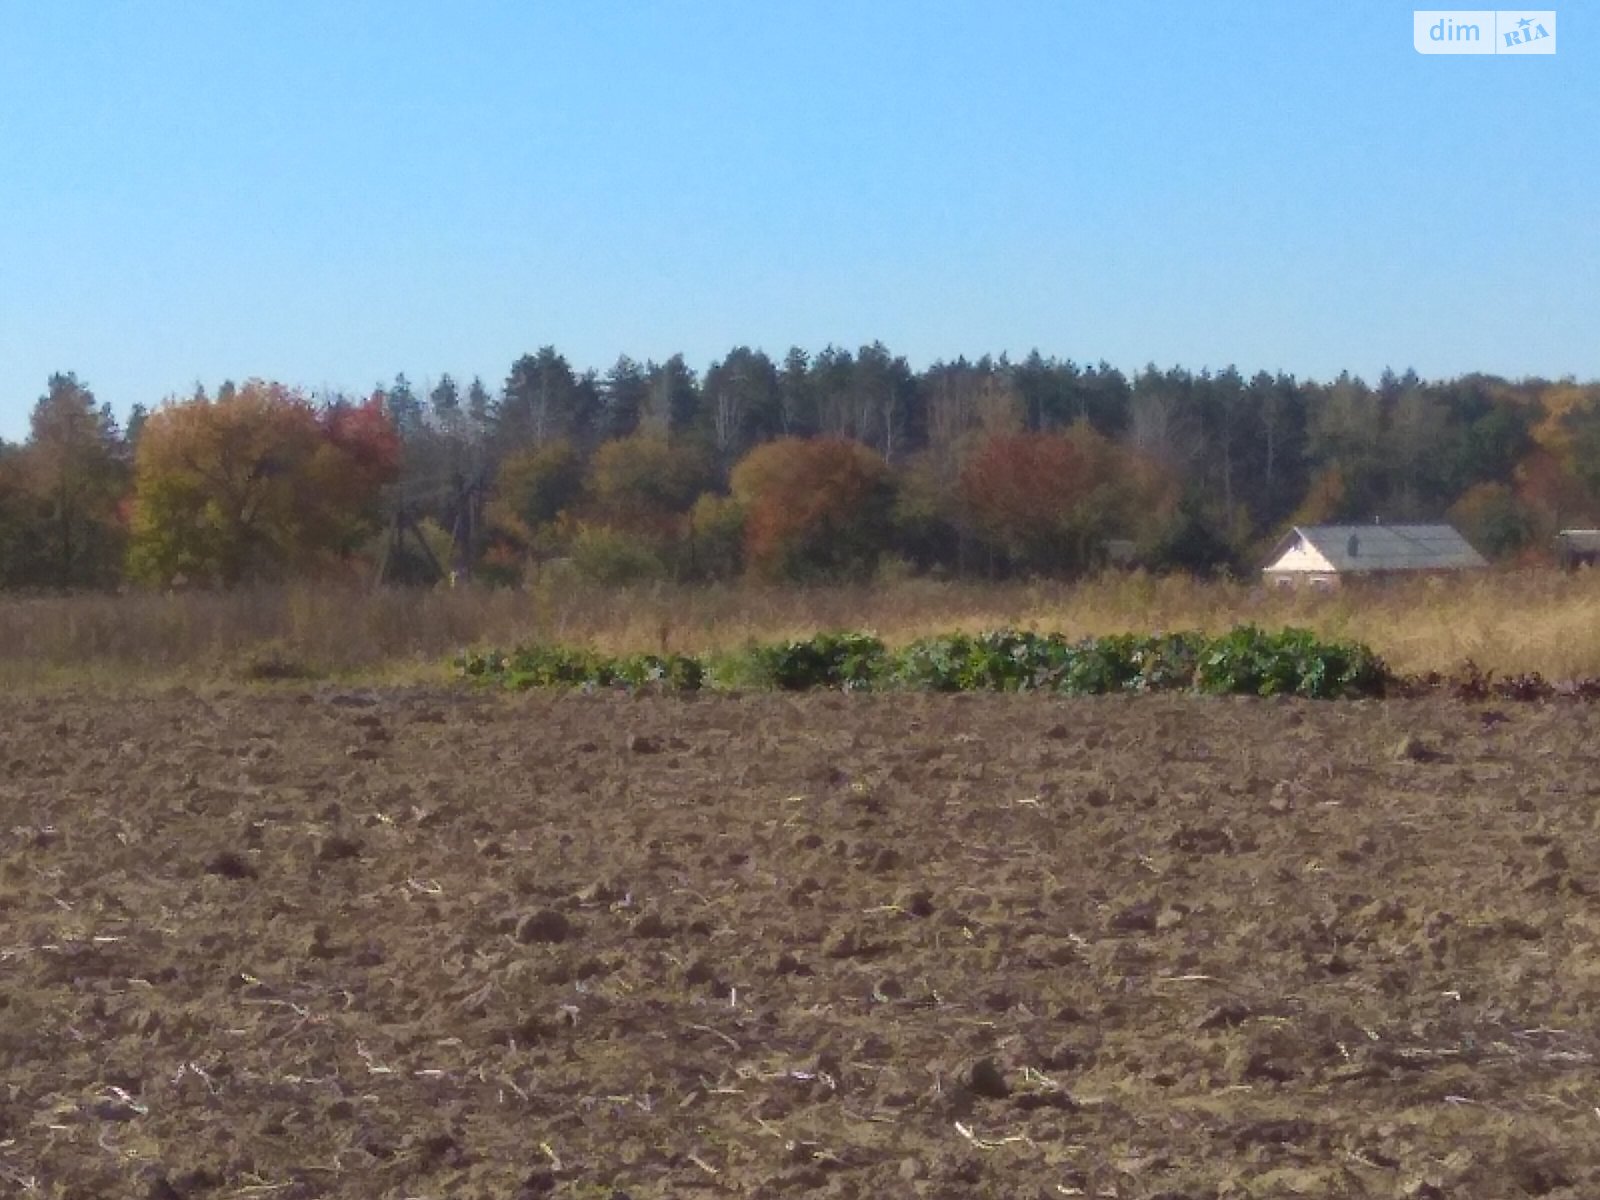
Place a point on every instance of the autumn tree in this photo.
(1325, 500)
(813, 508)
(1493, 520)
(927, 517)
(1048, 501)
(540, 483)
(1568, 429)
(359, 454)
(638, 480)
(1552, 494)
(533, 488)
(257, 485)
(1346, 433)
(75, 469)
(714, 547)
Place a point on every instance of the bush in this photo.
(1293, 662)
(851, 661)
(611, 557)
(714, 546)
(1003, 661)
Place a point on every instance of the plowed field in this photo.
(443, 944)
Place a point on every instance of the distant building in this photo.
(1121, 552)
(1324, 556)
(1578, 548)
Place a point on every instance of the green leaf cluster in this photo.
(847, 661)
(566, 666)
(1244, 661)
(1012, 661)
(1255, 662)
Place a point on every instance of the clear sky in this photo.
(328, 193)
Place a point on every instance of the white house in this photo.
(1323, 556)
(1578, 548)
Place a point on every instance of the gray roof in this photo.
(1357, 548)
(1580, 539)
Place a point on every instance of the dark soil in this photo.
(407, 943)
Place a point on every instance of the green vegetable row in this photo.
(1245, 661)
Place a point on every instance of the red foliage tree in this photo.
(1048, 500)
(815, 507)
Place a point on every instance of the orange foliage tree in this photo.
(1049, 501)
(1552, 493)
(256, 484)
(814, 508)
(1559, 480)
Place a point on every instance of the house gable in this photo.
(1298, 553)
(1371, 549)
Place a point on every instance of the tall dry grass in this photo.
(1507, 622)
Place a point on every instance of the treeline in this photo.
(833, 465)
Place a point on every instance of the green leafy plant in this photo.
(1244, 661)
(850, 661)
(1251, 661)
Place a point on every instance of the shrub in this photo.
(609, 556)
(851, 661)
(1292, 661)
(714, 546)
(1002, 661)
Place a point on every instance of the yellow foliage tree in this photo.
(255, 485)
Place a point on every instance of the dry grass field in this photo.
(406, 943)
(1506, 622)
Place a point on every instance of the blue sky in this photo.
(329, 193)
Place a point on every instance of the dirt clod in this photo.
(547, 925)
(338, 848)
(985, 1078)
(1413, 749)
(651, 926)
(231, 865)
